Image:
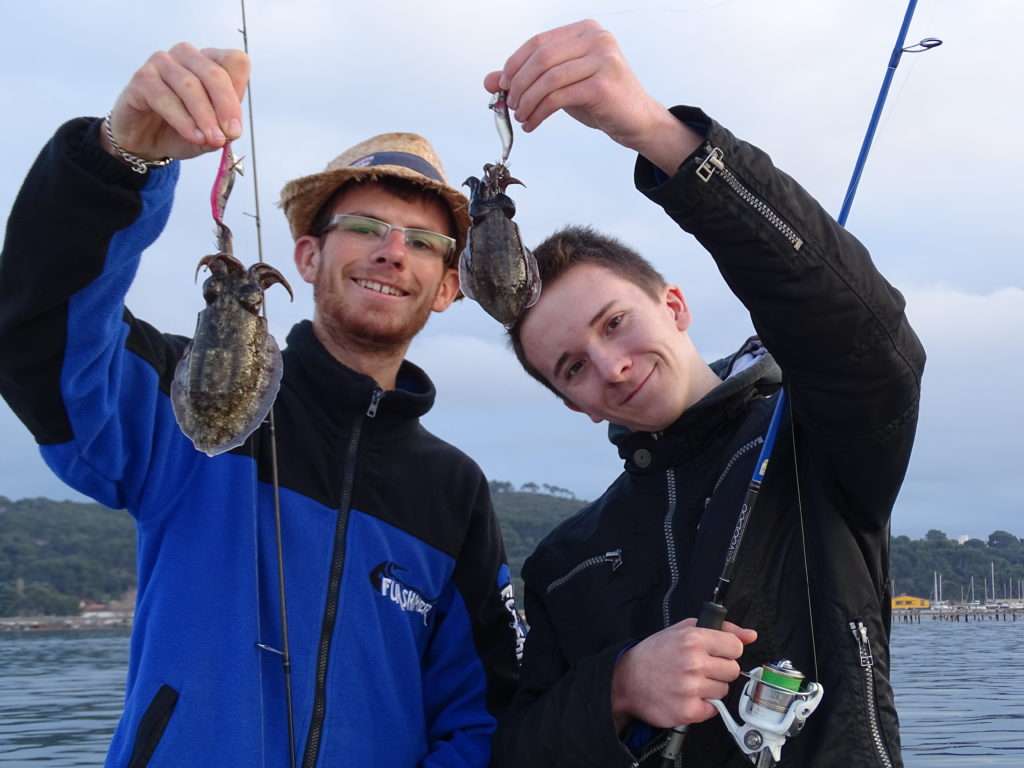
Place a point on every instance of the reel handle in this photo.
(712, 615)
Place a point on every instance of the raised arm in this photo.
(833, 323)
(77, 369)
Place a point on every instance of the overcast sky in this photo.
(939, 205)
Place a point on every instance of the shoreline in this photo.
(91, 620)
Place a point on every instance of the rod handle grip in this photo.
(712, 615)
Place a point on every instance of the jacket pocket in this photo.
(869, 701)
(611, 559)
(601, 598)
(151, 726)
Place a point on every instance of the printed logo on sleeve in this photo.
(508, 597)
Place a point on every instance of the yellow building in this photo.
(904, 602)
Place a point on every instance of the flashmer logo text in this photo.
(387, 584)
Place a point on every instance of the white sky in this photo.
(939, 204)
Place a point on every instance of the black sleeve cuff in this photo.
(607, 740)
(651, 181)
(81, 136)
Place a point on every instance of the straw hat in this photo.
(400, 155)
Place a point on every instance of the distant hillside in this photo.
(54, 554)
(915, 561)
(526, 518)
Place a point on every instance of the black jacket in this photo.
(648, 552)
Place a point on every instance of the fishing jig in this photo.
(496, 269)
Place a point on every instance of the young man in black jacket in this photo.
(613, 656)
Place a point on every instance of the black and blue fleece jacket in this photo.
(402, 641)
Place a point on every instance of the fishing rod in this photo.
(771, 688)
(284, 652)
(712, 613)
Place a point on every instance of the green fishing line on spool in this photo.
(789, 680)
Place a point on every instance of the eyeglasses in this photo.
(363, 229)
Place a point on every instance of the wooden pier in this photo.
(957, 615)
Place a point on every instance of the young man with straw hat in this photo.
(400, 617)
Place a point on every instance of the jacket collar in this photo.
(340, 391)
(747, 373)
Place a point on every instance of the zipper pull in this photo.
(615, 558)
(375, 402)
(860, 634)
(711, 163)
(700, 522)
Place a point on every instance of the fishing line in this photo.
(803, 538)
(284, 652)
(919, 47)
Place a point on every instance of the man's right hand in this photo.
(667, 679)
(580, 69)
(181, 103)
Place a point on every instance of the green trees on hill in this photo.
(55, 554)
(526, 518)
(915, 562)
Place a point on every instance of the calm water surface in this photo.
(959, 689)
(60, 696)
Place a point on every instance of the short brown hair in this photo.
(570, 247)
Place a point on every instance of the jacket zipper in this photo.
(714, 163)
(375, 402)
(653, 747)
(867, 665)
(746, 447)
(670, 546)
(613, 556)
(334, 589)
